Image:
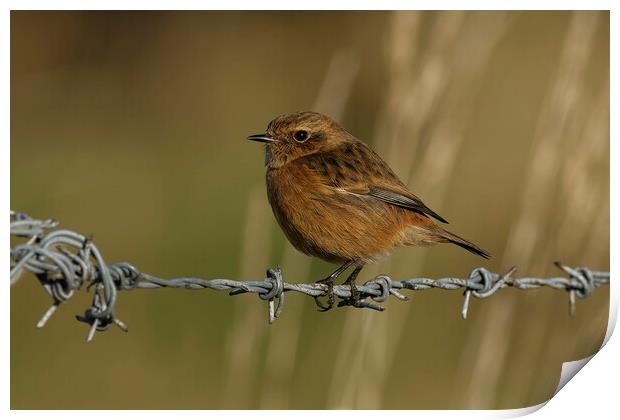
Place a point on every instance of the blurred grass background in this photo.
(130, 126)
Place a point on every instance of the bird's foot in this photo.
(330, 295)
(355, 299)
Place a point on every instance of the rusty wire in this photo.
(64, 261)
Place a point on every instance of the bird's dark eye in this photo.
(301, 135)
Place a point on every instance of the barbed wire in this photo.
(64, 261)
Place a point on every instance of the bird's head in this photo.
(292, 136)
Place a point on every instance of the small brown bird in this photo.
(336, 199)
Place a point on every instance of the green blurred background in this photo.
(131, 126)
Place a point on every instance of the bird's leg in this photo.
(329, 281)
(354, 300)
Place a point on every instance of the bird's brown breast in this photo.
(329, 222)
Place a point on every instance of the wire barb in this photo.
(64, 260)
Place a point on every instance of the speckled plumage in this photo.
(336, 199)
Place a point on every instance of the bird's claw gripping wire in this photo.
(329, 282)
(355, 299)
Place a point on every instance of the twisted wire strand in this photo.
(64, 261)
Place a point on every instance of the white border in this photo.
(591, 394)
(313, 5)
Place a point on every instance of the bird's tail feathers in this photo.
(463, 243)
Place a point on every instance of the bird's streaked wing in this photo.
(357, 169)
(409, 202)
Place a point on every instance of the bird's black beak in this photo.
(263, 138)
